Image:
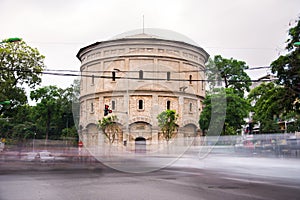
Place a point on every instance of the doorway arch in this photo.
(140, 145)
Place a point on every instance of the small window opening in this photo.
(92, 107)
(168, 76)
(113, 105)
(168, 105)
(93, 79)
(141, 74)
(141, 104)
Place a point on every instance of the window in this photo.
(113, 104)
(168, 76)
(93, 80)
(191, 107)
(141, 74)
(141, 105)
(168, 105)
(113, 75)
(92, 107)
(191, 79)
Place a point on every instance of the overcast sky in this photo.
(253, 31)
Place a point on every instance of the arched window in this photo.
(168, 105)
(113, 76)
(141, 104)
(92, 107)
(141, 74)
(168, 76)
(191, 79)
(113, 104)
(93, 79)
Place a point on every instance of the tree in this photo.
(236, 110)
(18, 127)
(64, 118)
(280, 99)
(53, 111)
(167, 123)
(267, 103)
(231, 71)
(109, 127)
(212, 115)
(20, 66)
(46, 107)
(287, 69)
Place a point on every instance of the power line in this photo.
(147, 71)
(152, 79)
(74, 73)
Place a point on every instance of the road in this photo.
(214, 177)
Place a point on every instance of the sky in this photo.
(253, 31)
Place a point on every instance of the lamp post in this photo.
(33, 141)
(127, 112)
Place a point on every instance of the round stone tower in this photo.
(139, 76)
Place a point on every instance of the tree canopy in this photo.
(20, 66)
(267, 102)
(231, 71)
(167, 123)
(53, 111)
(287, 69)
(109, 127)
(236, 110)
(280, 100)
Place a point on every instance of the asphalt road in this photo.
(216, 177)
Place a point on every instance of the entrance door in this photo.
(140, 145)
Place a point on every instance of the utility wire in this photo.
(147, 71)
(75, 73)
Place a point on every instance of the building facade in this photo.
(139, 76)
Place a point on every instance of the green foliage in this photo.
(287, 69)
(23, 130)
(109, 127)
(51, 117)
(294, 126)
(269, 126)
(20, 66)
(282, 98)
(47, 107)
(53, 111)
(69, 132)
(212, 116)
(231, 71)
(167, 123)
(269, 100)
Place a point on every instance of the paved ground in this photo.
(172, 183)
(215, 177)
